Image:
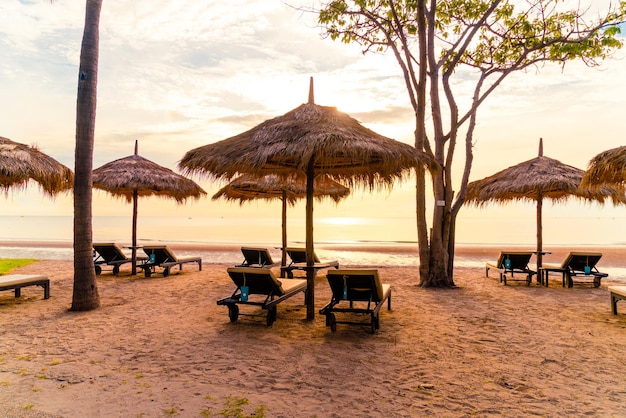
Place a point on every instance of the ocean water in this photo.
(355, 241)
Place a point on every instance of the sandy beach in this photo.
(162, 347)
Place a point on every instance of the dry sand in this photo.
(162, 347)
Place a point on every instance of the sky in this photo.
(176, 75)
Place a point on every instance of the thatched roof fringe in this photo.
(607, 167)
(270, 187)
(552, 179)
(340, 147)
(20, 163)
(123, 176)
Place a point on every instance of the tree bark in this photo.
(85, 291)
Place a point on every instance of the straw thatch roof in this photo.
(608, 167)
(337, 144)
(541, 176)
(20, 163)
(269, 187)
(134, 173)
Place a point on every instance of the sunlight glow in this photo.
(344, 221)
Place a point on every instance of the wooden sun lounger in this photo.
(298, 262)
(617, 293)
(350, 286)
(17, 281)
(256, 257)
(576, 264)
(163, 257)
(111, 254)
(253, 282)
(511, 262)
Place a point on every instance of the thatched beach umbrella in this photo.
(135, 176)
(313, 140)
(287, 189)
(533, 180)
(607, 168)
(20, 163)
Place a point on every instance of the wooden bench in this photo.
(17, 281)
(617, 293)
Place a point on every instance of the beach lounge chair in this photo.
(256, 257)
(350, 287)
(163, 257)
(298, 261)
(16, 282)
(576, 264)
(512, 262)
(258, 286)
(110, 254)
(617, 293)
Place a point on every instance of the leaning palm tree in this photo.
(85, 293)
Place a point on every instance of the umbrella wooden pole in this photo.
(539, 231)
(134, 244)
(283, 259)
(310, 260)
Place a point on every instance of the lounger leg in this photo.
(18, 292)
(332, 322)
(46, 291)
(373, 323)
(614, 304)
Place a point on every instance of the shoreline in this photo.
(613, 260)
(613, 255)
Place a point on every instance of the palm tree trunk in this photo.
(85, 291)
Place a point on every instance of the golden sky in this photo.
(179, 74)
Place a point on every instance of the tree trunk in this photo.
(438, 261)
(85, 292)
(420, 142)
